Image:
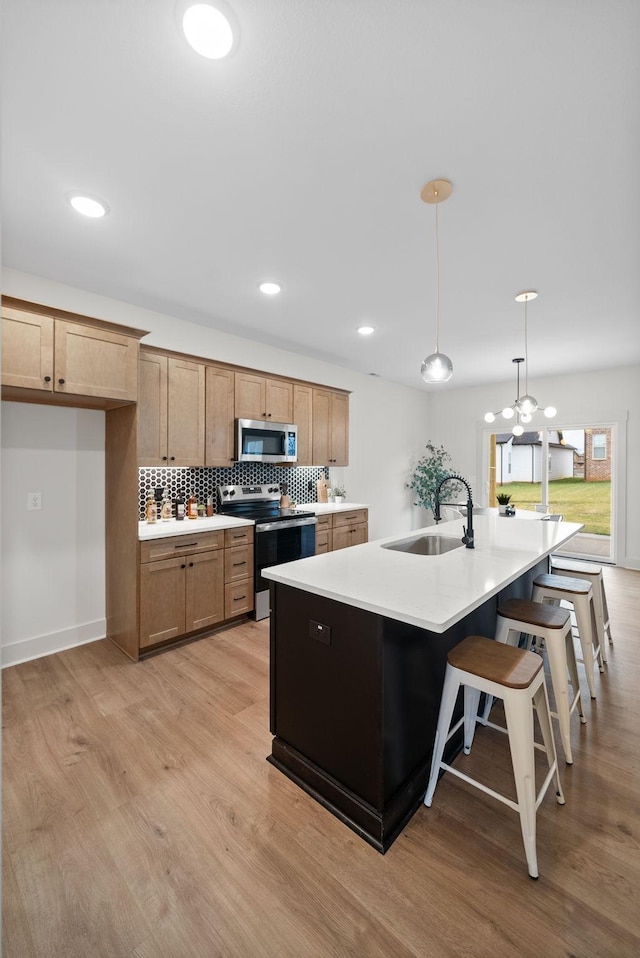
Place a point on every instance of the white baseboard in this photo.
(24, 650)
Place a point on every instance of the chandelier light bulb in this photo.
(507, 412)
(489, 417)
(517, 429)
(527, 405)
(436, 368)
(550, 412)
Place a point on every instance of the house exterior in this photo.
(597, 455)
(519, 458)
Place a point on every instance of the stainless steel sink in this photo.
(426, 545)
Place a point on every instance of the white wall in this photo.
(53, 559)
(599, 397)
(388, 430)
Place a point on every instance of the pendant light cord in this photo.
(526, 352)
(437, 277)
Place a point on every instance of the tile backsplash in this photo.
(204, 482)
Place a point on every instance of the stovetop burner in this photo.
(260, 503)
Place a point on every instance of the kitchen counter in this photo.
(431, 592)
(187, 527)
(358, 649)
(324, 508)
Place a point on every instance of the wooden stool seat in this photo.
(502, 664)
(517, 677)
(552, 625)
(563, 583)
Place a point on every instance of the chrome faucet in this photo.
(467, 538)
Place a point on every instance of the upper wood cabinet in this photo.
(219, 416)
(330, 440)
(57, 358)
(303, 418)
(171, 407)
(259, 397)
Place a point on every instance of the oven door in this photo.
(275, 543)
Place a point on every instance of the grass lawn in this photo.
(576, 500)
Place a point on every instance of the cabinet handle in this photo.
(191, 565)
(269, 414)
(188, 545)
(239, 598)
(239, 563)
(47, 379)
(172, 458)
(164, 458)
(183, 566)
(61, 382)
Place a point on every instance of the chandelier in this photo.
(437, 368)
(525, 406)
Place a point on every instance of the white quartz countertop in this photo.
(432, 592)
(186, 527)
(323, 508)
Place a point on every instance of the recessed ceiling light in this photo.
(88, 205)
(366, 330)
(208, 31)
(269, 288)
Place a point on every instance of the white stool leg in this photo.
(519, 715)
(584, 619)
(605, 611)
(599, 615)
(573, 673)
(558, 666)
(541, 702)
(505, 634)
(447, 705)
(471, 700)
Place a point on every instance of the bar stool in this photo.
(517, 677)
(592, 572)
(579, 593)
(553, 625)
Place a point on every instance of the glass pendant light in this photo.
(437, 368)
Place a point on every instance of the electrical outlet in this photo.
(34, 501)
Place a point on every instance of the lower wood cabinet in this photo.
(338, 530)
(191, 583)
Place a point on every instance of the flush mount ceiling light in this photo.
(88, 205)
(208, 31)
(269, 289)
(366, 330)
(437, 368)
(525, 406)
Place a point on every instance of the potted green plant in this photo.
(338, 493)
(503, 501)
(429, 472)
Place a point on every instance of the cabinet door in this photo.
(321, 424)
(303, 418)
(360, 534)
(204, 590)
(162, 600)
(219, 416)
(238, 598)
(185, 412)
(279, 400)
(341, 538)
(152, 410)
(339, 441)
(27, 349)
(238, 563)
(250, 396)
(95, 362)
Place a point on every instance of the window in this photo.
(599, 445)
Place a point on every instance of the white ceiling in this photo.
(301, 158)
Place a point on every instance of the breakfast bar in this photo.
(359, 640)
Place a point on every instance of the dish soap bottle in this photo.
(150, 509)
(192, 507)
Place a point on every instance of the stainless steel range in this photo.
(281, 535)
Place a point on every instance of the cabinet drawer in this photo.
(348, 518)
(238, 537)
(238, 563)
(323, 541)
(152, 549)
(238, 598)
(324, 522)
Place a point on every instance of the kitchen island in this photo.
(359, 640)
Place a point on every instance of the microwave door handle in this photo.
(283, 436)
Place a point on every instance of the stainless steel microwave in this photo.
(264, 441)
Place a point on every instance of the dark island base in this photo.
(354, 704)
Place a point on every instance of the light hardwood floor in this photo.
(141, 819)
